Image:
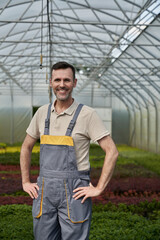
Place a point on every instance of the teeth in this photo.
(62, 91)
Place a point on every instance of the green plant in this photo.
(149, 160)
(121, 225)
(109, 222)
(149, 210)
(3, 145)
(12, 158)
(16, 222)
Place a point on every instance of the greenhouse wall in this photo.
(15, 115)
(145, 128)
(106, 116)
(120, 121)
(13, 125)
(139, 128)
(120, 126)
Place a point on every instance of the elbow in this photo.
(26, 149)
(115, 154)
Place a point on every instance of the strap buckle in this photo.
(47, 123)
(71, 125)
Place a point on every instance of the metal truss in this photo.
(114, 43)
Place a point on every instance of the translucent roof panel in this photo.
(114, 44)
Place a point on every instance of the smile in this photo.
(62, 90)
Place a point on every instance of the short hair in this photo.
(63, 65)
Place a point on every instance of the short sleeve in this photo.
(96, 127)
(33, 128)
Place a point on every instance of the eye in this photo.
(57, 80)
(67, 80)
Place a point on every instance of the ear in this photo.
(75, 82)
(50, 82)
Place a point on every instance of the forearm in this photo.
(111, 156)
(25, 161)
(107, 170)
(25, 158)
(110, 149)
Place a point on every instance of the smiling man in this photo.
(62, 194)
(63, 83)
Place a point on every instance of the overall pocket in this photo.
(78, 212)
(54, 157)
(38, 202)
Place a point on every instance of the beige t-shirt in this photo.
(88, 127)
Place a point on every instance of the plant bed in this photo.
(110, 221)
(139, 184)
(104, 198)
(117, 199)
(10, 183)
(14, 167)
(5, 200)
(119, 190)
(136, 177)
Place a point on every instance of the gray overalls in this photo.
(56, 214)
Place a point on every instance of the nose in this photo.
(61, 83)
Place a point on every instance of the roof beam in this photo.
(79, 23)
(12, 78)
(126, 42)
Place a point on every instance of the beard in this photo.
(63, 96)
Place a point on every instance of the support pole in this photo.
(12, 113)
(31, 93)
(92, 93)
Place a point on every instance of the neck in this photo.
(61, 106)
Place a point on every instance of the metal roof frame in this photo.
(103, 42)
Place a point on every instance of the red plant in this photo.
(119, 190)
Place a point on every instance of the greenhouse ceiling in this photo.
(113, 44)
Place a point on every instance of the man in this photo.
(62, 194)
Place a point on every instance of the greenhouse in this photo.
(115, 49)
(114, 46)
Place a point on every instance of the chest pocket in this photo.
(53, 157)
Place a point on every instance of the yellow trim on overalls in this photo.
(57, 140)
(68, 207)
(40, 212)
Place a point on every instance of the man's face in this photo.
(63, 83)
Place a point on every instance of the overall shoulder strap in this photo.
(73, 121)
(47, 120)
